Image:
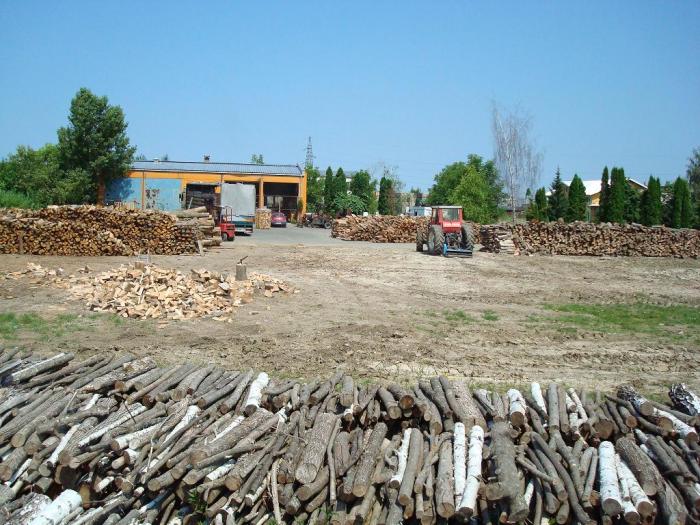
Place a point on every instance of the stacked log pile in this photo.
(114, 439)
(378, 228)
(263, 218)
(583, 238)
(141, 291)
(91, 230)
(201, 219)
(497, 238)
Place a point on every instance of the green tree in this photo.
(314, 189)
(604, 202)
(681, 205)
(33, 173)
(632, 203)
(558, 198)
(542, 204)
(645, 206)
(328, 190)
(384, 201)
(341, 185)
(618, 196)
(257, 158)
(693, 174)
(94, 146)
(472, 193)
(361, 186)
(351, 203)
(578, 202)
(655, 203)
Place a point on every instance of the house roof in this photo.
(218, 167)
(593, 186)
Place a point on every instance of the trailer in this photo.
(240, 198)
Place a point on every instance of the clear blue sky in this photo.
(405, 83)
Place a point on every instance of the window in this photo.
(450, 214)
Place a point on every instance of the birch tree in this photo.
(515, 153)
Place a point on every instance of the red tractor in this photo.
(446, 234)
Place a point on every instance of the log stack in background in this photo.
(378, 228)
(583, 238)
(263, 218)
(115, 439)
(91, 230)
(201, 219)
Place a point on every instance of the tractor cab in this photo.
(446, 234)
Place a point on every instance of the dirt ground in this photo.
(385, 311)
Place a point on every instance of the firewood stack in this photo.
(378, 228)
(263, 218)
(584, 238)
(201, 219)
(91, 230)
(115, 439)
(141, 291)
(497, 238)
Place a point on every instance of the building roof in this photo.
(218, 167)
(593, 186)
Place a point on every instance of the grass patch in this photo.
(44, 329)
(678, 322)
(458, 316)
(490, 315)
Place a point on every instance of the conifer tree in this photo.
(618, 196)
(328, 190)
(341, 185)
(681, 205)
(655, 203)
(558, 198)
(578, 202)
(384, 204)
(604, 202)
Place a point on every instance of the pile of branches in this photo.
(92, 230)
(146, 291)
(378, 228)
(584, 238)
(115, 439)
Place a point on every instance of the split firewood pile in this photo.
(378, 228)
(584, 238)
(497, 238)
(91, 230)
(146, 291)
(115, 439)
(201, 219)
(263, 218)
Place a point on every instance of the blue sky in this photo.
(409, 84)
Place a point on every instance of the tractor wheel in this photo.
(436, 240)
(224, 236)
(420, 239)
(467, 237)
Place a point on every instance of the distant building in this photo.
(593, 194)
(173, 185)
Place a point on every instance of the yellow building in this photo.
(174, 185)
(593, 193)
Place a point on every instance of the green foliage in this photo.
(314, 189)
(459, 316)
(490, 315)
(255, 158)
(328, 190)
(473, 194)
(384, 201)
(650, 206)
(13, 199)
(578, 202)
(632, 203)
(693, 174)
(604, 202)
(558, 198)
(94, 147)
(444, 191)
(538, 210)
(681, 205)
(362, 186)
(341, 185)
(618, 196)
(352, 203)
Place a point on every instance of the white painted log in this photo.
(476, 447)
(582, 416)
(536, 392)
(402, 453)
(687, 432)
(529, 491)
(66, 502)
(611, 500)
(21, 470)
(517, 407)
(132, 440)
(90, 402)
(640, 500)
(228, 428)
(459, 454)
(221, 471)
(53, 458)
(255, 393)
(190, 414)
(32, 508)
(134, 410)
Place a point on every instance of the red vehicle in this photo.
(446, 234)
(225, 223)
(278, 219)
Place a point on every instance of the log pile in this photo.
(497, 238)
(378, 228)
(200, 218)
(91, 230)
(583, 238)
(115, 439)
(263, 218)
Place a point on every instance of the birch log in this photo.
(610, 498)
(467, 506)
(255, 393)
(402, 453)
(517, 408)
(459, 456)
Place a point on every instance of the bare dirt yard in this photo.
(387, 311)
